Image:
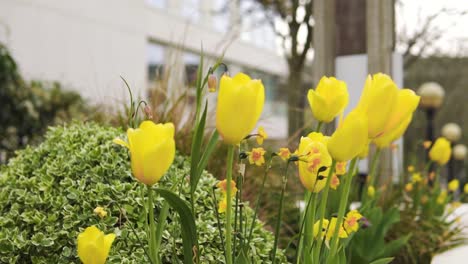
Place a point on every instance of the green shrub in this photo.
(48, 194)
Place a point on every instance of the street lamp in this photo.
(459, 152)
(432, 96)
(452, 132)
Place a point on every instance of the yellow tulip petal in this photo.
(385, 140)
(349, 139)
(407, 101)
(328, 99)
(240, 104)
(441, 151)
(157, 161)
(93, 246)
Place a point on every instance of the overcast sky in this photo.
(411, 14)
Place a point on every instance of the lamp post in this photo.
(432, 96)
(459, 154)
(453, 133)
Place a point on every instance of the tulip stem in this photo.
(309, 219)
(375, 162)
(280, 213)
(230, 159)
(152, 227)
(323, 206)
(342, 208)
(319, 126)
(257, 202)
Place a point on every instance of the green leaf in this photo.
(382, 261)
(195, 153)
(187, 223)
(206, 155)
(242, 258)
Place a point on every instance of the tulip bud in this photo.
(148, 112)
(329, 99)
(212, 83)
(441, 151)
(94, 246)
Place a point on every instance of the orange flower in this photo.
(256, 156)
(222, 185)
(335, 181)
(427, 144)
(351, 222)
(340, 168)
(284, 153)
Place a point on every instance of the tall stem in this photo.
(375, 162)
(257, 202)
(319, 126)
(323, 206)
(230, 159)
(280, 213)
(342, 208)
(312, 198)
(152, 228)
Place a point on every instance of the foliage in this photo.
(27, 108)
(49, 193)
(370, 244)
(426, 216)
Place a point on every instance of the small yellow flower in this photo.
(427, 144)
(94, 246)
(222, 205)
(465, 188)
(340, 168)
(416, 177)
(335, 181)
(441, 151)
(424, 199)
(442, 197)
(331, 230)
(101, 212)
(284, 153)
(409, 187)
(320, 233)
(222, 185)
(240, 104)
(351, 222)
(453, 185)
(371, 191)
(410, 168)
(256, 156)
(261, 135)
(152, 150)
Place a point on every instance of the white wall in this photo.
(88, 44)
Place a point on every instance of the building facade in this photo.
(87, 45)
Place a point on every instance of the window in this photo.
(191, 61)
(156, 61)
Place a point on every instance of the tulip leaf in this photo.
(195, 154)
(206, 155)
(187, 223)
(382, 261)
(242, 257)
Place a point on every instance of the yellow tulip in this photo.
(240, 104)
(465, 188)
(387, 138)
(329, 99)
(152, 150)
(313, 155)
(350, 138)
(94, 246)
(386, 106)
(364, 152)
(371, 191)
(453, 185)
(440, 151)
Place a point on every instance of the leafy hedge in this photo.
(48, 194)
